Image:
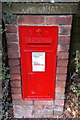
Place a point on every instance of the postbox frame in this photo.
(30, 42)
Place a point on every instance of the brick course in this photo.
(59, 20)
(60, 89)
(15, 77)
(15, 69)
(62, 62)
(13, 54)
(43, 113)
(59, 102)
(16, 96)
(43, 102)
(11, 37)
(22, 102)
(61, 77)
(11, 29)
(31, 19)
(64, 30)
(14, 62)
(22, 112)
(63, 48)
(15, 83)
(38, 108)
(61, 70)
(59, 96)
(60, 83)
(63, 40)
(12, 46)
(63, 55)
(15, 90)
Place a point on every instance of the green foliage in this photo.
(77, 61)
(5, 92)
(75, 86)
(5, 74)
(2, 30)
(10, 18)
(7, 17)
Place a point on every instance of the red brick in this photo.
(61, 76)
(58, 108)
(16, 96)
(13, 55)
(58, 113)
(21, 111)
(11, 29)
(37, 107)
(63, 55)
(59, 96)
(60, 83)
(60, 20)
(12, 46)
(11, 37)
(15, 69)
(15, 77)
(63, 47)
(59, 102)
(16, 90)
(27, 107)
(62, 62)
(64, 39)
(64, 30)
(31, 19)
(15, 83)
(22, 102)
(49, 106)
(43, 113)
(43, 102)
(14, 62)
(59, 90)
(61, 70)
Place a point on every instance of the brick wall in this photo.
(38, 109)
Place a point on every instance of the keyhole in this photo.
(48, 94)
(30, 76)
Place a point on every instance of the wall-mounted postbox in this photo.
(38, 46)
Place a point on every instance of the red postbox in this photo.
(38, 46)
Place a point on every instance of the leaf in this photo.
(1, 96)
(78, 85)
(7, 76)
(79, 107)
(78, 94)
(11, 104)
(72, 86)
(0, 117)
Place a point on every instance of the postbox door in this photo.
(39, 73)
(38, 65)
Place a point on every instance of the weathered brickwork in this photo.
(38, 109)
